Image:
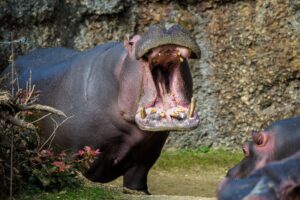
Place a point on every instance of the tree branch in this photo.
(16, 121)
(40, 107)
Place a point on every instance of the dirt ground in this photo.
(194, 182)
(182, 182)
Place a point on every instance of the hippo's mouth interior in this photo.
(169, 106)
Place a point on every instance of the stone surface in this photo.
(249, 74)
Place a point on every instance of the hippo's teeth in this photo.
(155, 116)
(174, 114)
(192, 108)
(178, 115)
(182, 115)
(180, 109)
(143, 112)
(153, 110)
(159, 54)
(162, 115)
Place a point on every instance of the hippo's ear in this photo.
(129, 44)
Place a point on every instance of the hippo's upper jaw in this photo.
(166, 101)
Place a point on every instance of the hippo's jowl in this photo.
(125, 97)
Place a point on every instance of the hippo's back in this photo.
(46, 56)
(43, 63)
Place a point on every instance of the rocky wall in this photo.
(249, 73)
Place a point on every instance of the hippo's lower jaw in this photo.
(174, 119)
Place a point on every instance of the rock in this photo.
(249, 73)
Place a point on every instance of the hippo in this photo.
(124, 98)
(277, 180)
(270, 168)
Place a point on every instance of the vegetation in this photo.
(202, 158)
(191, 172)
(190, 161)
(83, 193)
(26, 162)
(54, 172)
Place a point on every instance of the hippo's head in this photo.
(156, 83)
(280, 140)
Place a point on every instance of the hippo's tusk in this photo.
(180, 56)
(192, 107)
(143, 112)
(181, 59)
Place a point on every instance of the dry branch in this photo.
(16, 121)
(5, 98)
(51, 137)
(10, 109)
(40, 107)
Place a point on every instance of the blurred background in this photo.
(249, 73)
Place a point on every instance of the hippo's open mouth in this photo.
(169, 106)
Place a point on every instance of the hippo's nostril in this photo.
(258, 138)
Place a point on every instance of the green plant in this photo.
(82, 193)
(204, 149)
(19, 137)
(196, 158)
(85, 157)
(51, 171)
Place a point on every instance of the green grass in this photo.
(186, 159)
(201, 158)
(82, 193)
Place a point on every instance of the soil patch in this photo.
(182, 182)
